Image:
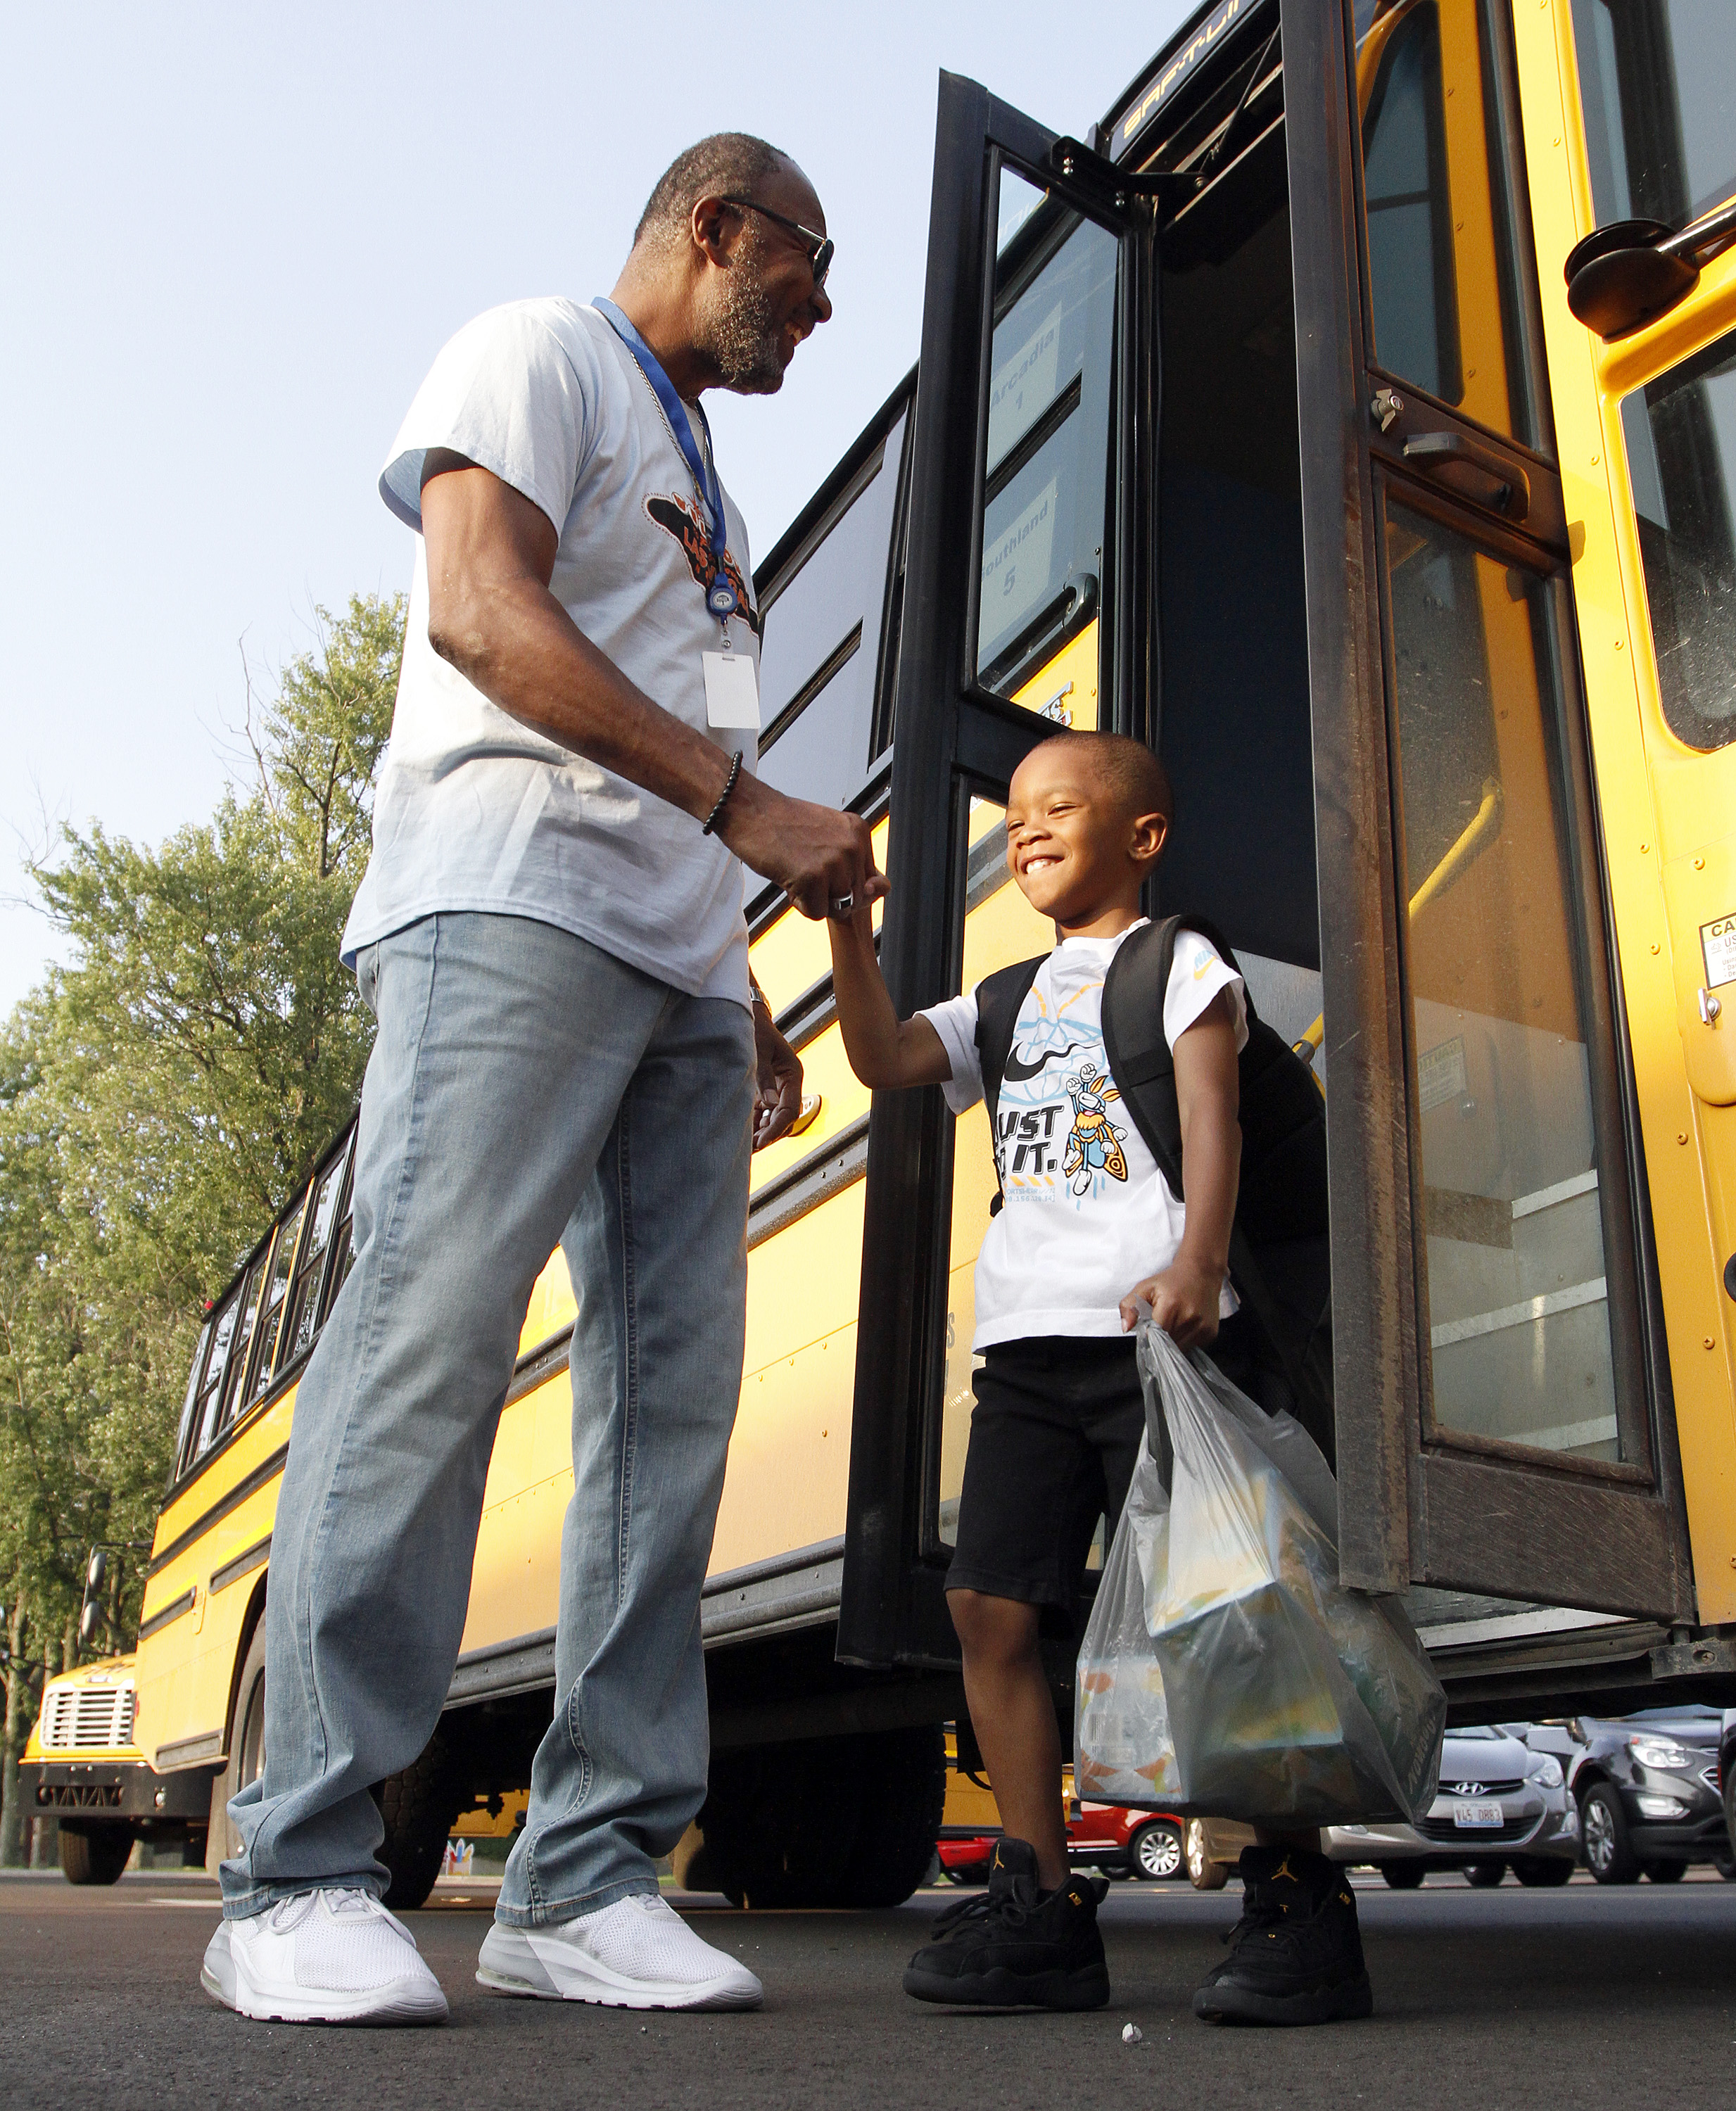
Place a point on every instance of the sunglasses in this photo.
(820, 247)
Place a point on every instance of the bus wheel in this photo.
(247, 1751)
(418, 1805)
(828, 1822)
(903, 1794)
(97, 1855)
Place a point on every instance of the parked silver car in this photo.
(1501, 1806)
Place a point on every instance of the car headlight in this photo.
(1546, 1768)
(1661, 1752)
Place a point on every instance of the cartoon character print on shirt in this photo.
(1055, 1142)
(1094, 1145)
(681, 518)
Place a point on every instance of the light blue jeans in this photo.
(524, 1087)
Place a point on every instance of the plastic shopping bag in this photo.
(1226, 1672)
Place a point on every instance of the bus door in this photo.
(1025, 608)
(1504, 1421)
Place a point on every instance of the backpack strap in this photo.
(1142, 1064)
(998, 999)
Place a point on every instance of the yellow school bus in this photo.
(1259, 419)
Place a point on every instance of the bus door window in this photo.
(1439, 187)
(301, 1321)
(1681, 444)
(1518, 1312)
(820, 651)
(1046, 461)
(1657, 87)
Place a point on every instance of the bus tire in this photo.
(901, 1797)
(247, 1752)
(418, 1805)
(96, 1853)
(779, 1821)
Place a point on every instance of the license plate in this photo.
(1477, 1816)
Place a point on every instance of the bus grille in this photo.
(81, 1717)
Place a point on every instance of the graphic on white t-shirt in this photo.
(1088, 1213)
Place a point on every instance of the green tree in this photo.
(158, 1098)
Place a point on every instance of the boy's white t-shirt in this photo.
(476, 812)
(1088, 1213)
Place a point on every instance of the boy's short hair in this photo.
(1127, 767)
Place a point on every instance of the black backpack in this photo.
(1280, 1259)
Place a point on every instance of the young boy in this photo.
(1090, 1230)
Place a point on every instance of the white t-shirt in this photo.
(1088, 1212)
(474, 810)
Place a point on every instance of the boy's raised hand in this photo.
(1183, 1300)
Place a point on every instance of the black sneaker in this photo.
(1014, 1946)
(1296, 1954)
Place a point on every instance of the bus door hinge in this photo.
(1116, 187)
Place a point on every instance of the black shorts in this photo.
(1053, 1437)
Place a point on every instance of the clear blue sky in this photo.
(235, 238)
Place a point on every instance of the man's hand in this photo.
(1184, 1300)
(816, 854)
(778, 1099)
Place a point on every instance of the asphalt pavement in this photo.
(1579, 1996)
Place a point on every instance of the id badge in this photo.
(732, 691)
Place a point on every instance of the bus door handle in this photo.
(1436, 453)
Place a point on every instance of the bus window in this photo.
(183, 1435)
(301, 1322)
(277, 1282)
(1045, 481)
(234, 1384)
(1681, 440)
(1657, 84)
(1518, 1313)
(1443, 276)
(822, 641)
(343, 1253)
(208, 1376)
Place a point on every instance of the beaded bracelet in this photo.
(723, 796)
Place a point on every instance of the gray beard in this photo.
(743, 333)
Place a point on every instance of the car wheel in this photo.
(96, 1854)
(1663, 1872)
(1609, 1854)
(1155, 1852)
(1404, 1876)
(1725, 1865)
(1484, 1876)
(1543, 1872)
(1203, 1873)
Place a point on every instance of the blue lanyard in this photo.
(720, 596)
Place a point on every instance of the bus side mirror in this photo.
(97, 1575)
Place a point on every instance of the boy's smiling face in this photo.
(1076, 851)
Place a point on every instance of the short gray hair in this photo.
(727, 163)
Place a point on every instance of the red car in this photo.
(1121, 1842)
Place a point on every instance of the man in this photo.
(550, 934)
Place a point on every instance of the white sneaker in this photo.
(636, 1954)
(324, 1956)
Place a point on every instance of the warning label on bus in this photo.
(1718, 944)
